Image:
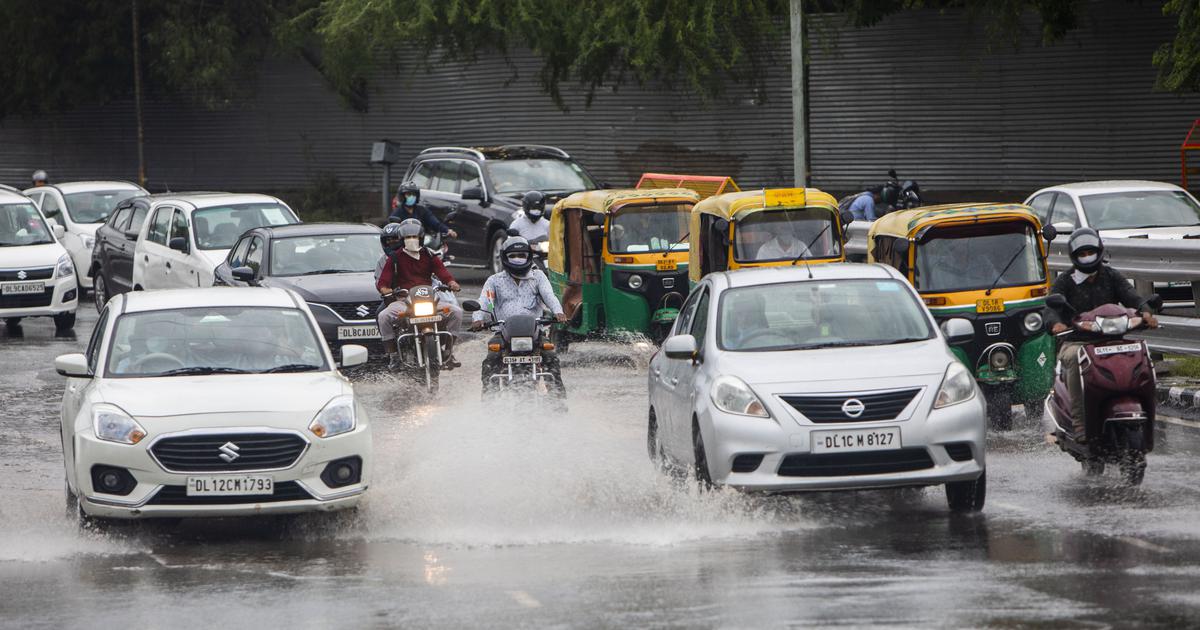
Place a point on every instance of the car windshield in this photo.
(219, 227)
(640, 229)
(22, 224)
(786, 235)
(820, 314)
(94, 206)
(334, 253)
(547, 175)
(214, 340)
(1140, 209)
(965, 258)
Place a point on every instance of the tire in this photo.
(64, 321)
(495, 244)
(1133, 467)
(967, 496)
(1092, 467)
(99, 291)
(653, 448)
(703, 477)
(432, 368)
(1000, 409)
(12, 322)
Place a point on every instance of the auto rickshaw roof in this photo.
(608, 201)
(906, 223)
(706, 185)
(739, 204)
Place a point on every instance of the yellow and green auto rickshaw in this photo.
(763, 228)
(618, 260)
(984, 262)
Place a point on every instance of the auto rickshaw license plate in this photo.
(528, 359)
(666, 265)
(989, 305)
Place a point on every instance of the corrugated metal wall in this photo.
(917, 93)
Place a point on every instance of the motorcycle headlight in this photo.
(731, 395)
(635, 281)
(1000, 360)
(335, 419)
(422, 309)
(113, 425)
(1113, 325)
(65, 267)
(522, 344)
(957, 386)
(1033, 321)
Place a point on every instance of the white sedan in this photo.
(213, 402)
(787, 379)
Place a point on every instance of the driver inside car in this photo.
(412, 265)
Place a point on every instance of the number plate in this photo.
(1118, 349)
(989, 305)
(229, 485)
(849, 440)
(21, 288)
(528, 359)
(666, 265)
(425, 320)
(358, 332)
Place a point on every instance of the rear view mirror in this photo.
(1063, 227)
(473, 193)
(179, 244)
(958, 331)
(243, 274)
(56, 228)
(470, 306)
(680, 347)
(1049, 232)
(353, 355)
(72, 365)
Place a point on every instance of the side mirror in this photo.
(469, 306)
(179, 244)
(680, 347)
(72, 365)
(57, 228)
(958, 331)
(1049, 232)
(1063, 227)
(131, 235)
(353, 355)
(473, 193)
(243, 274)
(846, 216)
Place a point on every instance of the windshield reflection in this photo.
(641, 229)
(22, 224)
(786, 235)
(956, 259)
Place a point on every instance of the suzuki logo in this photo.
(21, 275)
(362, 310)
(853, 408)
(992, 328)
(229, 452)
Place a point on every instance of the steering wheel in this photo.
(170, 362)
(765, 332)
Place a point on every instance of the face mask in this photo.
(412, 244)
(1089, 259)
(534, 216)
(518, 260)
(410, 200)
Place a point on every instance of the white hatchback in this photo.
(37, 277)
(786, 379)
(213, 402)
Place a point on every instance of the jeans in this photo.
(1068, 360)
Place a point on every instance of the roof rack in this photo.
(706, 185)
(472, 152)
(536, 147)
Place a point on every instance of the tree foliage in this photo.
(1178, 60)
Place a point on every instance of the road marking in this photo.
(525, 599)
(1191, 424)
(1144, 544)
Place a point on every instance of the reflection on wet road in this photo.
(496, 516)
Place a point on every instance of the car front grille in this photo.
(11, 275)
(28, 300)
(849, 464)
(349, 310)
(829, 407)
(177, 495)
(246, 452)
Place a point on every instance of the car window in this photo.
(119, 219)
(21, 224)
(700, 319)
(94, 206)
(1041, 206)
(160, 226)
(446, 176)
(684, 322)
(51, 208)
(470, 176)
(254, 256)
(237, 256)
(423, 174)
(138, 219)
(1064, 211)
(179, 227)
(218, 227)
(546, 175)
(93, 349)
(1140, 209)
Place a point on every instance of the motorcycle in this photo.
(1118, 391)
(524, 348)
(901, 195)
(425, 349)
(541, 251)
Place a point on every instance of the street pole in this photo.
(387, 189)
(137, 97)
(799, 109)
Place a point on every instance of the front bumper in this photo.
(157, 492)
(63, 295)
(932, 431)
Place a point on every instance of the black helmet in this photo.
(517, 256)
(390, 237)
(534, 205)
(409, 188)
(1082, 240)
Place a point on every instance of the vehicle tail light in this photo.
(493, 347)
(547, 346)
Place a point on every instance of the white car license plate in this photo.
(358, 332)
(1118, 349)
(21, 288)
(229, 485)
(425, 320)
(529, 359)
(850, 440)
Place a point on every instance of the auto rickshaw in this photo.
(764, 228)
(705, 185)
(618, 261)
(985, 263)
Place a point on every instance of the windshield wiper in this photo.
(319, 272)
(672, 247)
(838, 344)
(808, 250)
(291, 367)
(1010, 262)
(201, 371)
(901, 340)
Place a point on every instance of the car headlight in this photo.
(113, 425)
(1113, 325)
(957, 386)
(731, 395)
(1033, 321)
(335, 419)
(522, 344)
(422, 309)
(65, 267)
(635, 281)
(89, 241)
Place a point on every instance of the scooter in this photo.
(425, 350)
(541, 251)
(1118, 391)
(524, 347)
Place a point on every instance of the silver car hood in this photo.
(841, 369)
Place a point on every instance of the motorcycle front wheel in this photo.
(433, 368)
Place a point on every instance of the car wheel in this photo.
(495, 247)
(99, 292)
(64, 321)
(12, 322)
(1133, 467)
(967, 496)
(702, 475)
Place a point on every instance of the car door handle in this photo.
(145, 257)
(675, 381)
(168, 265)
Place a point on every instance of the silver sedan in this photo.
(831, 377)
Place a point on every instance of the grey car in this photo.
(826, 377)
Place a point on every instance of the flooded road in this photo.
(491, 516)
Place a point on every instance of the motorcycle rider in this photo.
(407, 267)
(39, 178)
(407, 205)
(521, 289)
(391, 241)
(1089, 285)
(529, 225)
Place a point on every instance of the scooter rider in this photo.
(410, 266)
(407, 205)
(1089, 285)
(521, 289)
(531, 225)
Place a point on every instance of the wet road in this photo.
(490, 517)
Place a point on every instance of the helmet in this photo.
(517, 256)
(534, 205)
(39, 176)
(409, 188)
(390, 237)
(1081, 240)
(411, 227)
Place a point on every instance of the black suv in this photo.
(483, 186)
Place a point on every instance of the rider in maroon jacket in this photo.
(410, 266)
